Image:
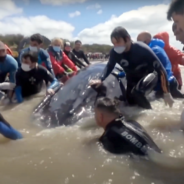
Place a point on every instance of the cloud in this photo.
(74, 14)
(99, 12)
(94, 6)
(148, 18)
(13, 22)
(61, 2)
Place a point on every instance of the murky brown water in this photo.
(69, 155)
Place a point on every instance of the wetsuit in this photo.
(9, 65)
(29, 83)
(142, 68)
(157, 46)
(43, 57)
(80, 54)
(74, 59)
(125, 137)
(8, 131)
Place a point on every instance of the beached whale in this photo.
(75, 98)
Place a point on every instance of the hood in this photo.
(163, 36)
(156, 42)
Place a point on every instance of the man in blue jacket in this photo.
(36, 41)
(157, 46)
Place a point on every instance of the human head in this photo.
(178, 33)
(36, 41)
(29, 60)
(176, 12)
(144, 37)
(67, 46)
(121, 40)
(57, 44)
(106, 110)
(78, 44)
(2, 51)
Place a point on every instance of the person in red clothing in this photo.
(59, 60)
(175, 56)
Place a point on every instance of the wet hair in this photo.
(37, 38)
(120, 32)
(176, 6)
(33, 56)
(108, 105)
(78, 41)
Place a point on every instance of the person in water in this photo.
(175, 56)
(36, 41)
(142, 68)
(79, 53)
(121, 136)
(7, 130)
(8, 67)
(157, 46)
(59, 59)
(176, 13)
(30, 77)
(72, 56)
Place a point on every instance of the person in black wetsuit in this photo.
(141, 66)
(72, 56)
(79, 53)
(30, 77)
(121, 136)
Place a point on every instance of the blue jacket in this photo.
(43, 57)
(157, 46)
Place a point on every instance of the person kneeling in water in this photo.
(121, 136)
(30, 77)
(7, 130)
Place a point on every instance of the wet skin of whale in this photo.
(75, 98)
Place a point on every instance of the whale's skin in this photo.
(76, 98)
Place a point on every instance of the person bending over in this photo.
(79, 53)
(59, 59)
(36, 41)
(142, 68)
(157, 46)
(121, 136)
(30, 77)
(72, 56)
(8, 131)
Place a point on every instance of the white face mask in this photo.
(33, 49)
(25, 67)
(120, 49)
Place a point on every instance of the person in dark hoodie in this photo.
(59, 59)
(157, 46)
(72, 56)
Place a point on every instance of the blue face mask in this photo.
(56, 48)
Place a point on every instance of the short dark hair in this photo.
(78, 41)
(176, 6)
(109, 105)
(37, 38)
(120, 32)
(32, 55)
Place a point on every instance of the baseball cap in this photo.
(2, 46)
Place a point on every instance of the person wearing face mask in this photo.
(8, 66)
(79, 53)
(36, 42)
(157, 47)
(141, 66)
(72, 56)
(30, 77)
(60, 61)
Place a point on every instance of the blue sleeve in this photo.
(9, 132)
(13, 70)
(18, 93)
(54, 84)
(121, 74)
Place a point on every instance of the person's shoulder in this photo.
(43, 53)
(19, 72)
(11, 60)
(41, 68)
(141, 45)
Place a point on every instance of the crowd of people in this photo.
(149, 64)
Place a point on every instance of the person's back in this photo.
(121, 136)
